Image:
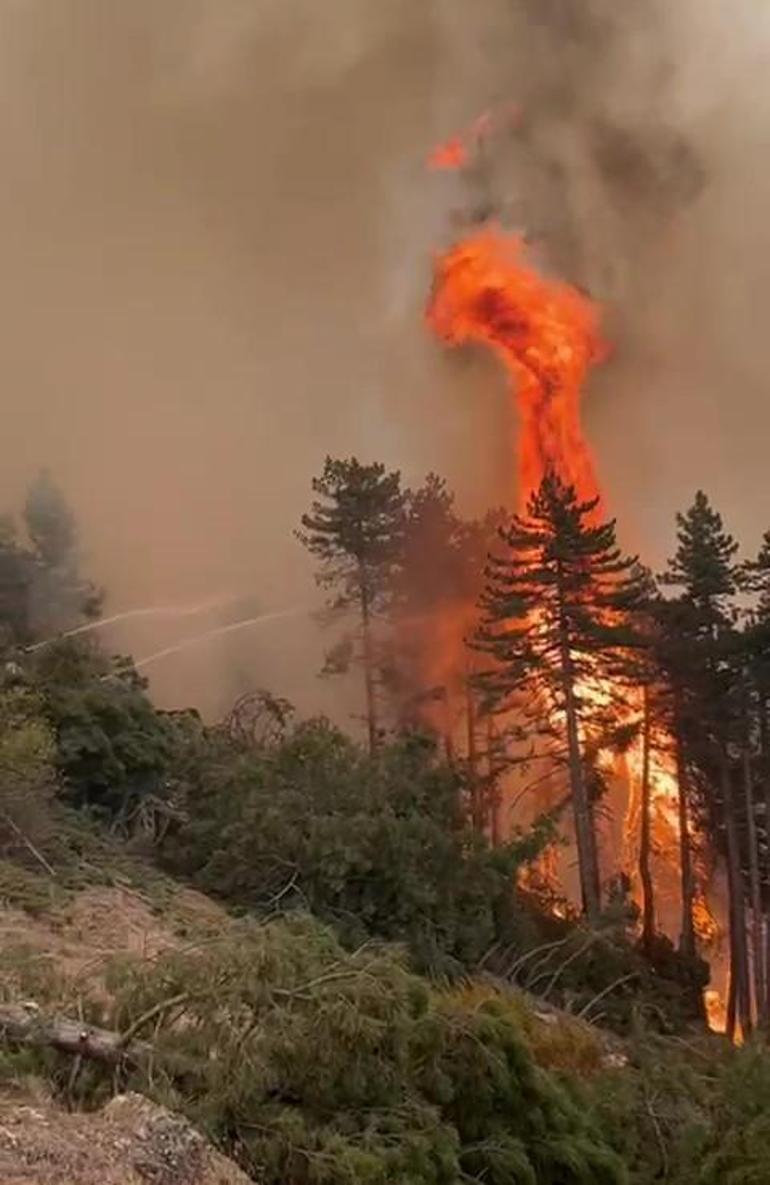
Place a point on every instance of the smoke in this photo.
(216, 231)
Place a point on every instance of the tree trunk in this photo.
(585, 835)
(764, 747)
(368, 657)
(687, 936)
(739, 968)
(757, 953)
(25, 1024)
(645, 872)
(732, 996)
(494, 791)
(477, 806)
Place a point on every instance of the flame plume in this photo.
(545, 332)
(547, 335)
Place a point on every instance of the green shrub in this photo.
(321, 1067)
(375, 846)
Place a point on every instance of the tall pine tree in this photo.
(355, 528)
(755, 580)
(557, 623)
(430, 670)
(700, 655)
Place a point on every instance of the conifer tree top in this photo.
(704, 565)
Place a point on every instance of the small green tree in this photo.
(355, 528)
(557, 608)
(113, 748)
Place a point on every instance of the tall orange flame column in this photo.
(547, 335)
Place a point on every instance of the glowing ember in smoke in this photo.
(545, 332)
(458, 152)
(451, 155)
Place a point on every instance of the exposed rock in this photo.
(131, 1142)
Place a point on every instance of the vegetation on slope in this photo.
(384, 999)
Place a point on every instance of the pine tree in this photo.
(355, 528)
(50, 522)
(429, 582)
(700, 656)
(557, 623)
(755, 580)
(59, 597)
(704, 565)
(431, 671)
(647, 677)
(672, 657)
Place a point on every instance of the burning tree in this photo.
(557, 608)
(433, 583)
(436, 587)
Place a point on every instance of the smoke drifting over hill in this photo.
(216, 230)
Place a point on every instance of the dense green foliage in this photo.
(114, 749)
(376, 845)
(345, 1068)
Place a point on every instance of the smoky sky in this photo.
(216, 232)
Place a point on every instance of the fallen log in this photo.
(26, 1024)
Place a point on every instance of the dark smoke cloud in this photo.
(216, 232)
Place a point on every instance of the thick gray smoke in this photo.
(216, 230)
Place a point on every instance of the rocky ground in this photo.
(130, 1142)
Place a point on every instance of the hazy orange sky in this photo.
(216, 231)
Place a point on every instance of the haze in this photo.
(216, 228)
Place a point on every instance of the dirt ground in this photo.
(77, 940)
(130, 1142)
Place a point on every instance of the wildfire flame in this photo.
(453, 154)
(547, 335)
(545, 332)
(459, 151)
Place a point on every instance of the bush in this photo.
(27, 776)
(376, 846)
(737, 1150)
(113, 749)
(313, 1065)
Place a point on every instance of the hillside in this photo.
(336, 1036)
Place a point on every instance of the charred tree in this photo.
(756, 581)
(753, 857)
(687, 879)
(739, 952)
(645, 837)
